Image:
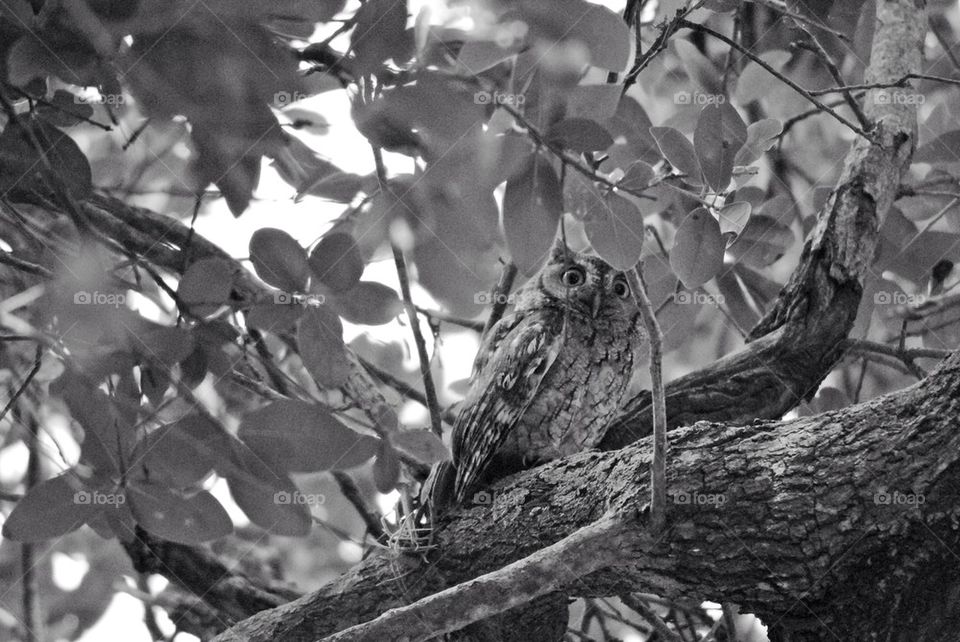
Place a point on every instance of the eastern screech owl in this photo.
(548, 378)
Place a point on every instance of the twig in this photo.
(47, 103)
(439, 316)
(9, 259)
(794, 86)
(658, 469)
(401, 264)
(781, 7)
(581, 553)
(349, 489)
(26, 382)
(403, 388)
(650, 616)
(501, 293)
(827, 60)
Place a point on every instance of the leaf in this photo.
(380, 33)
(579, 135)
(737, 305)
(320, 342)
(733, 217)
(679, 152)
(22, 167)
(719, 135)
(755, 82)
(698, 67)
(369, 303)
(296, 436)
(386, 468)
(942, 149)
(336, 262)
(103, 434)
(616, 231)
(762, 242)
(633, 124)
(761, 136)
(600, 30)
(279, 260)
(697, 253)
(477, 56)
(275, 317)
(597, 102)
(64, 109)
(638, 176)
(261, 494)
(171, 516)
(421, 445)
(182, 453)
(206, 286)
(49, 509)
(162, 344)
(532, 206)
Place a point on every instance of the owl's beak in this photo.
(595, 304)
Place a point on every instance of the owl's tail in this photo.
(437, 493)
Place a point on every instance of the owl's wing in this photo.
(506, 381)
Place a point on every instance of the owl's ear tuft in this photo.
(560, 253)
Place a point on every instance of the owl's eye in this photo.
(621, 289)
(573, 276)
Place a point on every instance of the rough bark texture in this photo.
(823, 526)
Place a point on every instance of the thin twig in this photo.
(439, 316)
(429, 389)
(650, 616)
(403, 388)
(501, 296)
(658, 469)
(834, 71)
(794, 86)
(350, 490)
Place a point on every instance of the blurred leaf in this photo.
(697, 253)
(182, 453)
(942, 149)
(206, 286)
(279, 260)
(49, 509)
(369, 303)
(755, 82)
(64, 109)
(420, 445)
(296, 436)
(532, 205)
(597, 102)
(193, 369)
(190, 519)
(597, 28)
(924, 206)
(699, 68)
(762, 242)
(380, 33)
(477, 56)
(320, 342)
(579, 135)
(263, 495)
(632, 123)
(21, 166)
(386, 468)
(161, 344)
(737, 305)
(336, 262)
(679, 152)
(637, 176)
(761, 136)
(734, 217)
(275, 317)
(106, 441)
(616, 231)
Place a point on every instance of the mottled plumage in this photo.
(549, 377)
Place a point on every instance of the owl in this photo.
(548, 378)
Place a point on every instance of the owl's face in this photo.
(583, 284)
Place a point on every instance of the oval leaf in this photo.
(942, 149)
(421, 445)
(336, 262)
(386, 469)
(279, 260)
(734, 217)
(296, 436)
(188, 520)
(697, 253)
(266, 496)
(320, 341)
(580, 135)
(678, 151)
(762, 242)
(615, 230)
(206, 286)
(761, 136)
(532, 205)
(369, 303)
(52, 508)
(638, 176)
